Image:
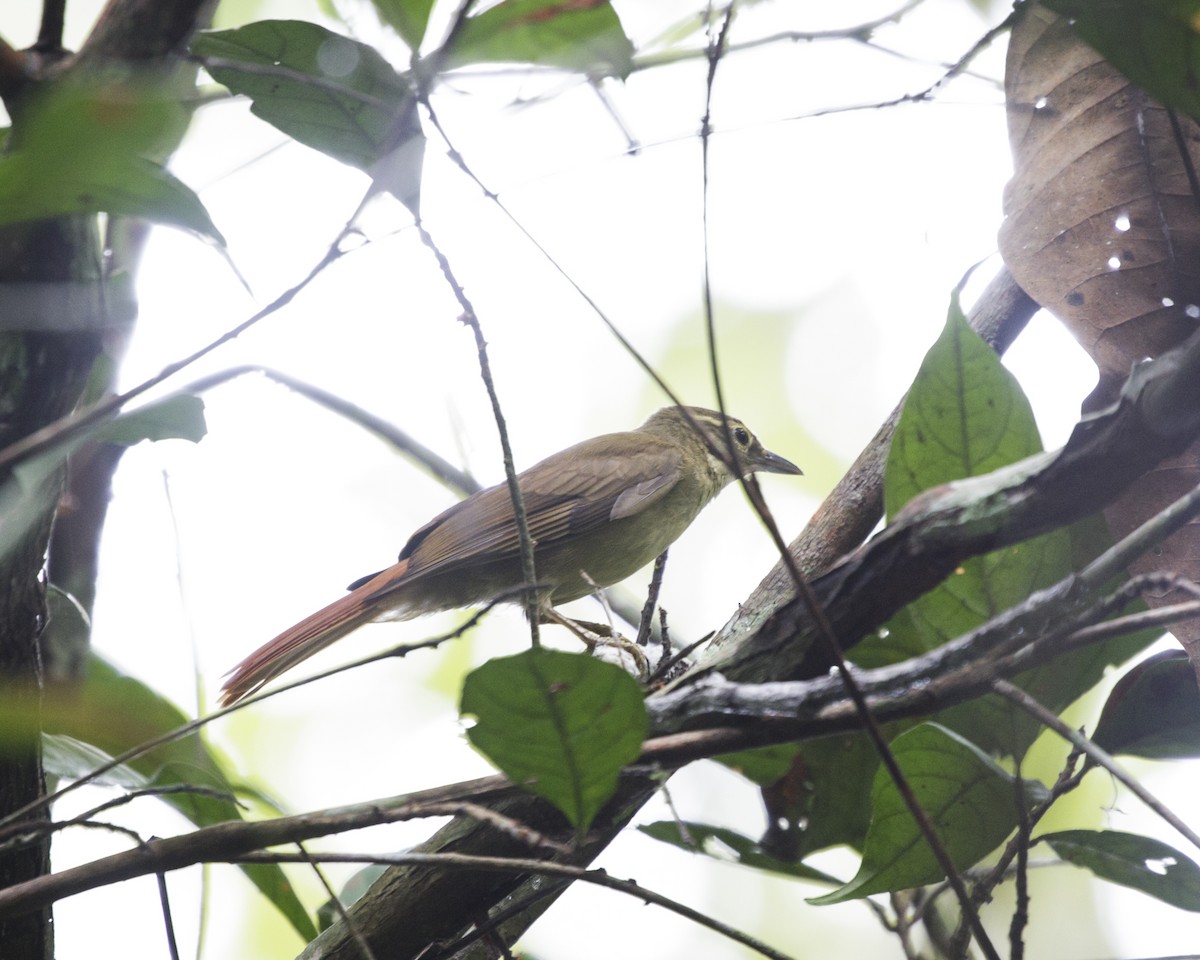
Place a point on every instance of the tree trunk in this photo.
(45, 358)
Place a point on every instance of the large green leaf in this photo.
(85, 148)
(1155, 43)
(586, 37)
(327, 91)
(1145, 864)
(112, 712)
(563, 725)
(967, 796)
(966, 415)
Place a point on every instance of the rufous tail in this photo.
(313, 633)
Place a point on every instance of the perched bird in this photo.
(597, 512)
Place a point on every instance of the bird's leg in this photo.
(594, 635)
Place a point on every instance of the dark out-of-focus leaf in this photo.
(723, 844)
(1155, 43)
(1154, 710)
(1143, 863)
(763, 765)
(824, 800)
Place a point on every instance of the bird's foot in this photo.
(600, 635)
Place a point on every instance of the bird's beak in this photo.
(770, 462)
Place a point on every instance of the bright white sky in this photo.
(851, 228)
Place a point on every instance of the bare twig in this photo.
(924, 95)
(356, 932)
(861, 32)
(593, 305)
(1097, 755)
(471, 320)
(437, 466)
(169, 924)
(646, 623)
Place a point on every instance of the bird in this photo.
(596, 513)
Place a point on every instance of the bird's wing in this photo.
(571, 493)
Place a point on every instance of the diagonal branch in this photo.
(1157, 416)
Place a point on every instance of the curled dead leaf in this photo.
(1102, 228)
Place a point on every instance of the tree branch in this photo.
(1157, 416)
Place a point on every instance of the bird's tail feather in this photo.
(301, 641)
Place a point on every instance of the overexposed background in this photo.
(834, 242)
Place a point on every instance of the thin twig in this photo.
(1020, 916)
(646, 623)
(437, 466)
(356, 932)
(471, 319)
(1096, 754)
(168, 923)
(925, 95)
(592, 303)
(861, 32)
(875, 733)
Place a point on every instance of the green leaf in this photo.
(409, 18)
(87, 148)
(722, 844)
(762, 765)
(70, 759)
(1154, 711)
(32, 490)
(113, 712)
(1155, 43)
(179, 417)
(966, 415)
(585, 37)
(967, 796)
(1148, 865)
(328, 92)
(562, 725)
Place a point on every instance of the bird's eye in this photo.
(742, 436)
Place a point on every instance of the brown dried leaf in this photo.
(1094, 154)
(1102, 228)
